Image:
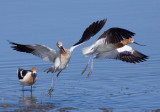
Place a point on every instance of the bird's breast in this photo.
(28, 80)
(64, 61)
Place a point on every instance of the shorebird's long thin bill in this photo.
(138, 44)
(63, 49)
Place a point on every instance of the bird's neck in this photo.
(119, 45)
(124, 42)
(62, 49)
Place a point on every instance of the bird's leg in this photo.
(23, 94)
(54, 70)
(91, 68)
(52, 88)
(31, 94)
(31, 88)
(56, 79)
(86, 66)
(52, 80)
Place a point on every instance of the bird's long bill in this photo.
(138, 44)
(34, 75)
(63, 49)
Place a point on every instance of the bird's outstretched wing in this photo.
(41, 51)
(126, 53)
(115, 35)
(89, 32)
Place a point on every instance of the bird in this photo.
(27, 77)
(112, 44)
(62, 57)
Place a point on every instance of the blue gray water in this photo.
(114, 86)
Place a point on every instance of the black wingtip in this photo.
(9, 42)
(12, 43)
(90, 31)
(21, 47)
(138, 57)
(135, 57)
(115, 34)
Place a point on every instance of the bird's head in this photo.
(34, 70)
(59, 44)
(130, 40)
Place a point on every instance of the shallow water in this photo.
(114, 86)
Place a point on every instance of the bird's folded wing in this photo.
(41, 51)
(115, 35)
(125, 53)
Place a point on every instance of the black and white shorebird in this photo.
(59, 58)
(112, 44)
(27, 77)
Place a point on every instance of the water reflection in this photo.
(27, 99)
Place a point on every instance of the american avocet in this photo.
(112, 44)
(62, 57)
(27, 77)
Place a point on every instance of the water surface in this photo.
(114, 86)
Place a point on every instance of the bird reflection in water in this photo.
(28, 99)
